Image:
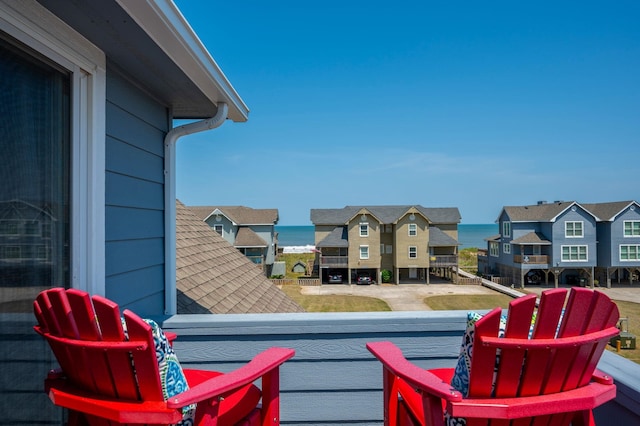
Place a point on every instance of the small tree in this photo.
(385, 274)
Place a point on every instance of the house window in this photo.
(629, 253)
(364, 252)
(388, 249)
(413, 252)
(506, 248)
(364, 229)
(218, 229)
(381, 248)
(413, 229)
(506, 229)
(494, 249)
(388, 228)
(632, 228)
(54, 95)
(573, 230)
(574, 253)
(36, 166)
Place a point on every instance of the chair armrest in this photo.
(263, 363)
(392, 359)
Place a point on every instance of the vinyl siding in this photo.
(134, 211)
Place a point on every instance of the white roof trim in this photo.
(168, 28)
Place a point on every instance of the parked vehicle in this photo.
(335, 278)
(364, 278)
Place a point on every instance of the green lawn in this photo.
(335, 303)
(469, 302)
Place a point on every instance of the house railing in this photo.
(333, 380)
(443, 261)
(335, 261)
(531, 259)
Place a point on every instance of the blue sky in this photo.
(474, 105)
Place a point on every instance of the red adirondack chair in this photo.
(109, 374)
(542, 371)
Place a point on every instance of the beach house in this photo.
(251, 231)
(356, 244)
(565, 243)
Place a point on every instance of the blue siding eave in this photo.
(333, 380)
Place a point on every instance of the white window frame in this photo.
(636, 247)
(506, 229)
(364, 226)
(36, 27)
(494, 249)
(412, 230)
(412, 250)
(220, 227)
(506, 248)
(632, 228)
(364, 252)
(567, 234)
(578, 247)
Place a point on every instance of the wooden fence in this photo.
(299, 281)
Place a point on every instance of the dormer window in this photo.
(506, 229)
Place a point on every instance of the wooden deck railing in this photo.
(531, 259)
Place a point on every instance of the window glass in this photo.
(574, 253)
(630, 252)
(632, 228)
(364, 229)
(506, 229)
(573, 229)
(35, 176)
(413, 252)
(413, 229)
(364, 252)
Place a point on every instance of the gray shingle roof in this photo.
(240, 215)
(547, 212)
(246, 237)
(608, 211)
(437, 238)
(533, 238)
(385, 214)
(214, 277)
(336, 238)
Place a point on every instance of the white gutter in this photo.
(170, 141)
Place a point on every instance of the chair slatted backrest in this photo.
(88, 339)
(570, 341)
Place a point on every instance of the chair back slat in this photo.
(146, 363)
(84, 315)
(483, 358)
(114, 371)
(518, 326)
(546, 326)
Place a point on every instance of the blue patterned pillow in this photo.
(460, 380)
(172, 377)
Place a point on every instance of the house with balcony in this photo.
(251, 231)
(618, 231)
(564, 242)
(409, 241)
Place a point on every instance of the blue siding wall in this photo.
(618, 238)
(135, 130)
(589, 238)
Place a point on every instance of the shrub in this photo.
(385, 274)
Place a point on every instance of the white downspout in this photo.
(170, 299)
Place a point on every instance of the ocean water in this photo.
(468, 235)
